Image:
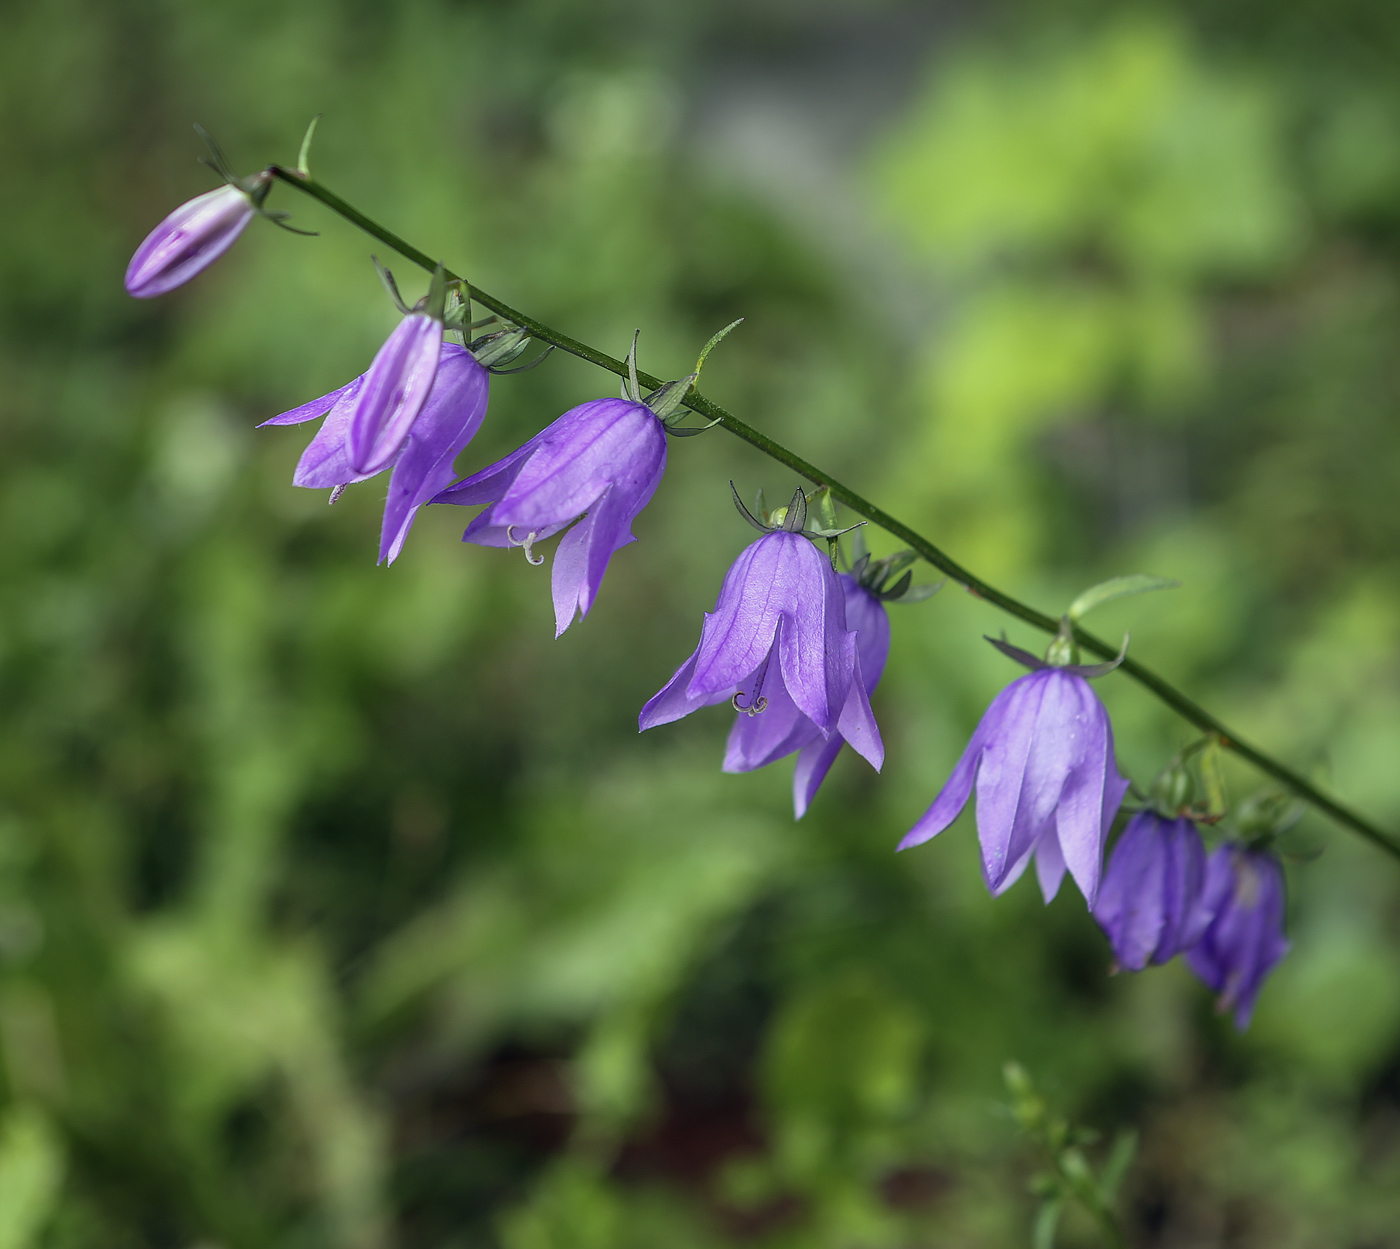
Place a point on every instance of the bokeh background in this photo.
(343, 907)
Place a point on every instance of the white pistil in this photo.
(528, 542)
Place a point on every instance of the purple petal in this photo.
(813, 763)
(448, 421)
(1016, 788)
(673, 701)
(1184, 919)
(867, 618)
(952, 798)
(582, 558)
(318, 407)
(1049, 865)
(780, 729)
(605, 443)
(189, 240)
(857, 722)
(394, 391)
(1130, 904)
(1092, 789)
(738, 635)
(1245, 939)
(325, 463)
(490, 483)
(817, 652)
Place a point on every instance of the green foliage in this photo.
(342, 906)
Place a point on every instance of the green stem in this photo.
(1187, 708)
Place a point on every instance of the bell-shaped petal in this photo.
(599, 464)
(756, 741)
(448, 421)
(445, 423)
(1245, 896)
(1047, 783)
(782, 575)
(317, 407)
(1152, 903)
(393, 392)
(778, 646)
(188, 241)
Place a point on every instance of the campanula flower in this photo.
(777, 645)
(758, 739)
(1151, 904)
(1047, 780)
(1245, 895)
(597, 465)
(447, 420)
(189, 240)
(393, 392)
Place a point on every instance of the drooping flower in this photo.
(778, 648)
(1245, 896)
(189, 240)
(1151, 904)
(590, 472)
(598, 465)
(1047, 781)
(447, 420)
(393, 392)
(758, 740)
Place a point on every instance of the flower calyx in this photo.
(254, 186)
(667, 402)
(1062, 653)
(1192, 785)
(792, 517)
(434, 303)
(881, 577)
(1265, 816)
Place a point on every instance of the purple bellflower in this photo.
(777, 647)
(756, 741)
(598, 464)
(590, 472)
(451, 414)
(1151, 904)
(1047, 780)
(1245, 896)
(189, 240)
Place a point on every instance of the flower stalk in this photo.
(1187, 708)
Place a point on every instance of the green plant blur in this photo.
(344, 907)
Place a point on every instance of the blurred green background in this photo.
(344, 907)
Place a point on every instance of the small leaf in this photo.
(304, 156)
(1117, 587)
(1120, 1158)
(1047, 1220)
(710, 346)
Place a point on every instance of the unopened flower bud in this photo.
(189, 240)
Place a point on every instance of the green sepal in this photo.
(494, 350)
(434, 303)
(1116, 587)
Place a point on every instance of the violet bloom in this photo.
(188, 241)
(448, 418)
(1151, 903)
(598, 464)
(777, 647)
(1047, 781)
(1245, 896)
(758, 740)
